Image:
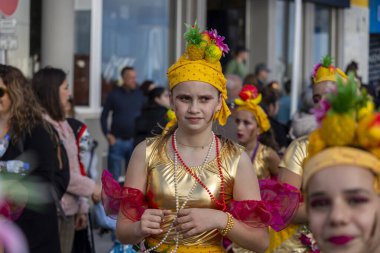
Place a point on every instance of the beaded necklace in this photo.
(178, 208)
(217, 202)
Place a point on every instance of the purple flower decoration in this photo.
(315, 69)
(305, 240)
(321, 111)
(213, 33)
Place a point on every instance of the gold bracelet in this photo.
(229, 225)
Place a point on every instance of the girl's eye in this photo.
(354, 201)
(184, 98)
(247, 123)
(237, 121)
(319, 203)
(204, 99)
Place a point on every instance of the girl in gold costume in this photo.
(254, 133)
(342, 172)
(188, 188)
(291, 170)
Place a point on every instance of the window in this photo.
(322, 34)
(135, 33)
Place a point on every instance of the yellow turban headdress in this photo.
(349, 133)
(249, 100)
(201, 63)
(325, 71)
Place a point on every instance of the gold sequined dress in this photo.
(287, 240)
(161, 194)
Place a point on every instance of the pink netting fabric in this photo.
(129, 200)
(279, 203)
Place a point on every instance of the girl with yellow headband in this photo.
(297, 237)
(255, 134)
(341, 174)
(188, 188)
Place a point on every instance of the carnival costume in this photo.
(172, 185)
(297, 238)
(249, 100)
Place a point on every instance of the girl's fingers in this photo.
(185, 227)
(183, 219)
(152, 231)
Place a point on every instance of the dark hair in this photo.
(268, 139)
(25, 111)
(144, 87)
(249, 79)
(270, 97)
(126, 68)
(353, 66)
(155, 93)
(288, 86)
(46, 83)
(240, 49)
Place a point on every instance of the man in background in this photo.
(125, 103)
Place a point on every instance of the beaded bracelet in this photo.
(229, 225)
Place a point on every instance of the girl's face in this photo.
(195, 104)
(5, 100)
(343, 210)
(247, 128)
(64, 94)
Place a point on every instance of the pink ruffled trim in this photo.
(276, 209)
(129, 200)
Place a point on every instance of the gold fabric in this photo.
(186, 249)
(260, 162)
(294, 155)
(160, 186)
(286, 240)
(340, 156)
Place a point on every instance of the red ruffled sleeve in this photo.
(10, 210)
(129, 200)
(279, 203)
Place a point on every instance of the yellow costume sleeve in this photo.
(295, 155)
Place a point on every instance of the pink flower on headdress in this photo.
(321, 111)
(315, 69)
(248, 92)
(218, 40)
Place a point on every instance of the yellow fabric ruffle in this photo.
(252, 106)
(186, 249)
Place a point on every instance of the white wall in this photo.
(356, 38)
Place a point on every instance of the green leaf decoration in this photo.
(193, 35)
(327, 61)
(346, 97)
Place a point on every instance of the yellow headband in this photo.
(325, 71)
(334, 156)
(249, 100)
(201, 63)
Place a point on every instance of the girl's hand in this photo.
(150, 223)
(194, 221)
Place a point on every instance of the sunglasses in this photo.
(3, 91)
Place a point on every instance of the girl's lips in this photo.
(340, 240)
(239, 135)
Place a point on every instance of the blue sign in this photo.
(374, 16)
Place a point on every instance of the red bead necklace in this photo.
(217, 202)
